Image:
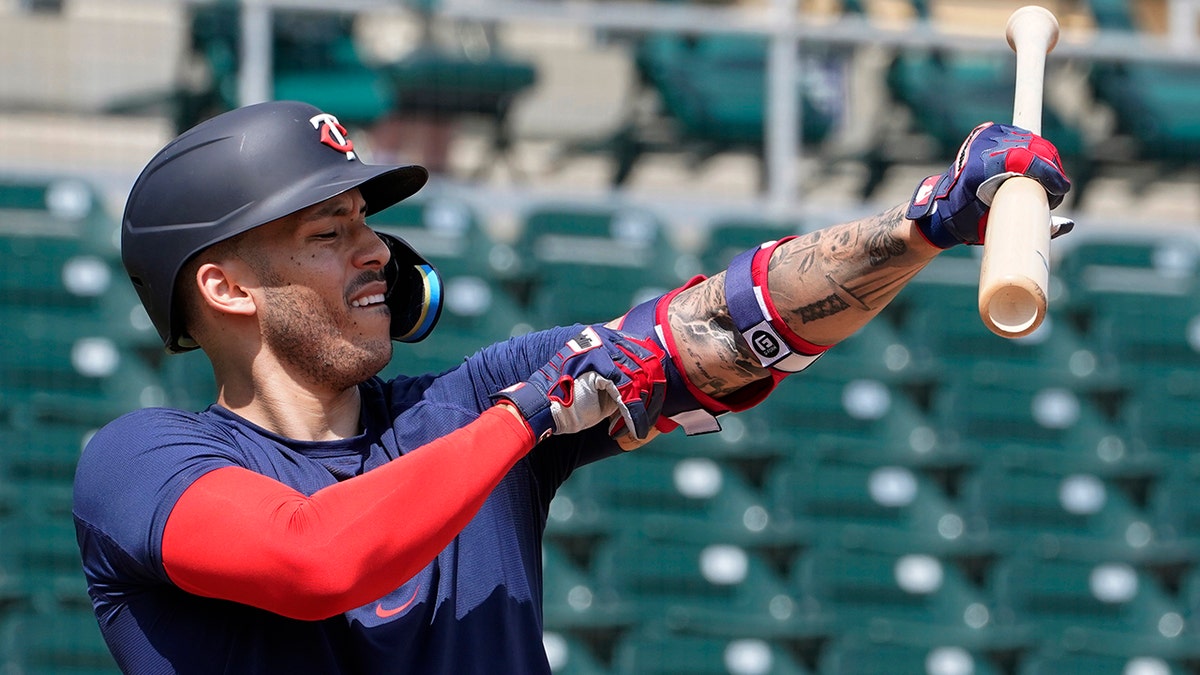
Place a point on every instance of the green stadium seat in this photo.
(1074, 516)
(713, 89)
(438, 81)
(662, 653)
(1062, 662)
(359, 94)
(711, 96)
(875, 507)
(59, 643)
(569, 655)
(1152, 104)
(664, 497)
(38, 499)
(1163, 421)
(41, 558)
(916, 78)
(46, 271)
(1174, 512)
(950, 279)
(813, 409)
(573, 603)
(914, 598)
(1113, 14)
(56, 208)
(1045, 427)
(61, 262)
(314, 59)
(432, 79)
(1188, 595)
(45, 451)
(952, 342)
(71, 376)
(1098, 266)
(1145, 337)
(590, 265)
(1107, 608)
(875, 351)
(855, 655)
(713, 589)
(983, 84)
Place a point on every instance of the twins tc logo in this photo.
(333, 133)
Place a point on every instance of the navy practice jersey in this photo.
(475, 609)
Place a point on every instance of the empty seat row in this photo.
(662, 652)
(1023, 603)
(805, 501)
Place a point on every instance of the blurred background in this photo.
(928, 498)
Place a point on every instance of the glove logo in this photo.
(333, 133)
(587, 339)
(765, 344)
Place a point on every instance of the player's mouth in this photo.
(368, 300)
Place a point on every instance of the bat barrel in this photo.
(1016, 269)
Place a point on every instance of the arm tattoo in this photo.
(827, 282)
(826, 306)
(863, 265)
(713, 353)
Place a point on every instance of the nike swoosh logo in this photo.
(388, 613)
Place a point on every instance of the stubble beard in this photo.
(306, 336)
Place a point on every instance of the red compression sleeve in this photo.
(241, 536)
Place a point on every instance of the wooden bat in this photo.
(1016, 251)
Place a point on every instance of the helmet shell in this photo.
(232, 173)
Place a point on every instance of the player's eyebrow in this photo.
(331, 208)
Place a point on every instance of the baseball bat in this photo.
(1016, 252)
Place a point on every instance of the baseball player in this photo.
(318, 519)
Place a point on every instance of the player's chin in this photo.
(373, 322)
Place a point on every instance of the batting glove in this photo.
(951, 208)
(600, 374)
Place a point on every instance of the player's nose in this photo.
(371, 251)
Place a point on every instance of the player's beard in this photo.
(306, 334)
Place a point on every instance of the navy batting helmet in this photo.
(243, 169)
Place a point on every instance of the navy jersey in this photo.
(475, 609)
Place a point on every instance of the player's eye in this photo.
(326, 235)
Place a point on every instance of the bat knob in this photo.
(1034, 26)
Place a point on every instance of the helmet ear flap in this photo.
(414, 294)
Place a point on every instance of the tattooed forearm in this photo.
(723, 364)
(825, 285)
(706, 339)
(873, 291)
(853, 270)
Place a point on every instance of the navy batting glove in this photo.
(598, 374)
(952, 208)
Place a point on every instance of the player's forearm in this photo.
(828, 284)
(825, 285)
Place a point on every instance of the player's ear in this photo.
(222, 287)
